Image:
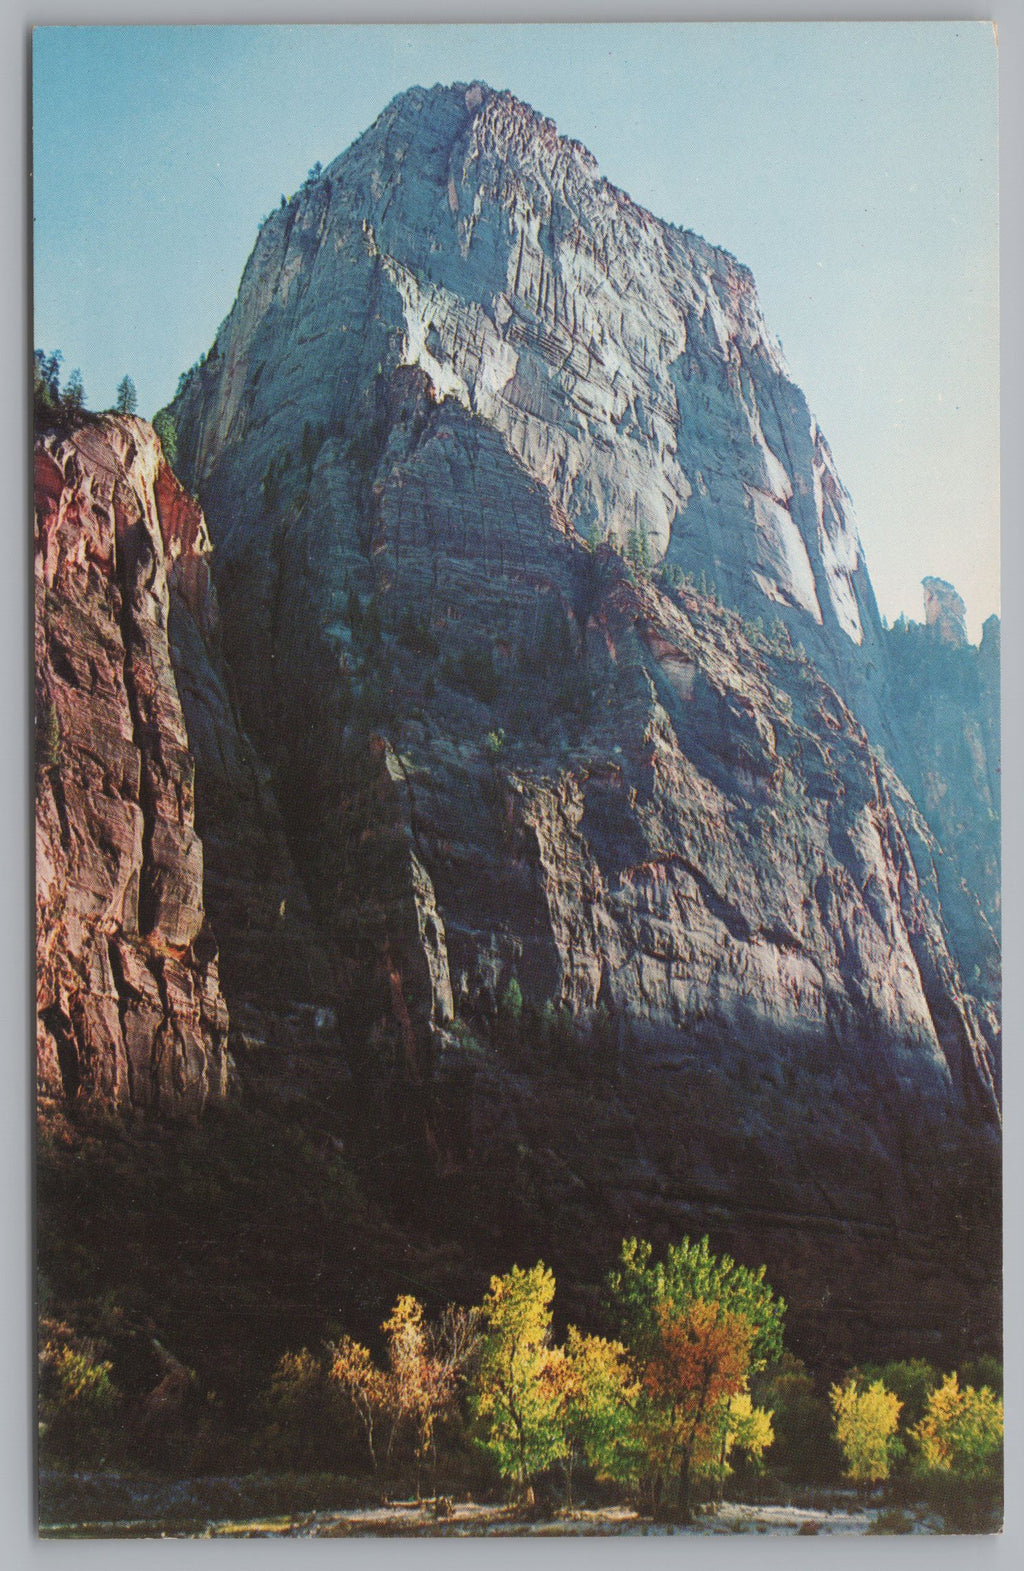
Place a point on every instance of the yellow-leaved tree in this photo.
(747, 1429)
(866, 1422)
(517, 1395)
(600, 1394)
(363, 1387)
(962, 1429)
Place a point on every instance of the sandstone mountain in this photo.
(558, 820)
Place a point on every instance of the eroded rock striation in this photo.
(142, 866)
(130, 1008)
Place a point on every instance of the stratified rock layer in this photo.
(130, 1009)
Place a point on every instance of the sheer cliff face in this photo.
(945, 709)
(131, 699)
(130, 1007)
(460, 369)
(624, 362)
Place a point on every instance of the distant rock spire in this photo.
(945, 611)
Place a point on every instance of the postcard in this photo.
(517, 780)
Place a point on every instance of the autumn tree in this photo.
(517, 1397)
(961, 1430)
(696, 1326)
(699, 1361)
(866, 1422)
(426, 1363)
(912, 1380)
(363, 1388)
(640, 1285)
(747, 1429)
(299, 1410)
(599, 1392)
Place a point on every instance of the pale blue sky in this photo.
(851, 166)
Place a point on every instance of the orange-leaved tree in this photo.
(699, 1360)
(364, 1388)
(696, 1326)
(426, 1363)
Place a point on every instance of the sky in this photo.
(852, 167)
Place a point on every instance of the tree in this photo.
(912, 1380)
(74, 395)
(126, 398)
(50, 369)
(512, 998)
(962, 1430)
(517, 1396)
(299, 1404)
(697, 1364)
(641, 1285)
(46, 386)
(638, 553)
(600, 1393)
(865, 1425)
(805, 1448)
(696, 1326)
(426, 1362)
(363, 1386)
(747, 1429)
(166, 429)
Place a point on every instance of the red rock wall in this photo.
(129, 1006)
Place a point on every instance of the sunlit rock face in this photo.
(153, 887)
(469, 402)
(130, 1009)
(623, 361)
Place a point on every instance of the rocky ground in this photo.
(837, 1513)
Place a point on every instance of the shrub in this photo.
(166, 429)
(893, 1521)
(865, 1425)
(77, 1397)
(962, 1430)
